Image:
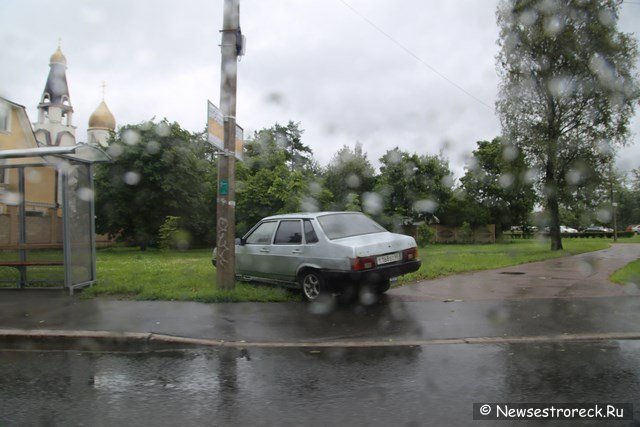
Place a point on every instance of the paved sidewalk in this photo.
(585, 275)
(550, 299)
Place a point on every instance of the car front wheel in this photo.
(312, 284)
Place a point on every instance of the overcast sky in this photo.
(419, 74)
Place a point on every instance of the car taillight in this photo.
(362, 263)
(410, 254)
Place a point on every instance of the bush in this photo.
(172, 236)
(424, 235)
(465, 233)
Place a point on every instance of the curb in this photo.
(103, 340)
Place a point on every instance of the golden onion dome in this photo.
(102, 118)
(58, 57)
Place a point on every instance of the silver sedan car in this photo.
(324, 253)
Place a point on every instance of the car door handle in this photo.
(296, 251)
(264, 250)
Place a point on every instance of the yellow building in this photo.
(40, 190)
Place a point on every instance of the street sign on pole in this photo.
(215, 130)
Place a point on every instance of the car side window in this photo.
(289, 233)
(310, 235)
(262, 234)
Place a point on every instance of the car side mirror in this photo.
(240, 242)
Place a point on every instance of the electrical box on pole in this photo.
(232, 44)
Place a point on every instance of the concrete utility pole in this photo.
(614, 204)
(226, 200)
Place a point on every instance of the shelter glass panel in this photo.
(80, 198)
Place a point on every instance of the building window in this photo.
(5, 118)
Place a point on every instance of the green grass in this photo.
(54, 275)
(171, 275)
(128, 273)
(634, 239)
(630, 273)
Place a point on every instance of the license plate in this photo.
(386, 259)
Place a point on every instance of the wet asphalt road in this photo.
(423, 385)
(369, 372)
(389, 319)
(344, 385)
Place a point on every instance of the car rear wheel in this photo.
(383, 286)
(312, 284)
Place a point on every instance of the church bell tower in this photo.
(55, 113)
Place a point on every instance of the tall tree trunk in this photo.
(553, 208)
(554, 229)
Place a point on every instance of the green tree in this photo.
(348, 175)
(625, 191)
(267, 184)
(568, 88)
(277, 140)
(584, 190)
(412, 187)
(461, 208)
(159, 170)
(497, 180)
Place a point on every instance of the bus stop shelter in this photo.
(47, 226)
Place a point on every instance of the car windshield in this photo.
(339, 226)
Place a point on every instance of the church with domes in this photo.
(53, 130)
(55, 112)
(46, 186)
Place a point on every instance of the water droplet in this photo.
(604, 215)
(130, 137)
(131, 178)
(509, 153)
(601, 68)
(85, 194)
(372, 203)
(34, 176)
(425, 206)
(115, 150)
(309, 204)
(315, 188)
(11, 198)
(506, 180)
(352, 181)
(530, 176)
(275, 98)
(528, 17)
(394, 156)
(448, 181)
(574, 177)
(553, 25)
(153, 147)
(606, 17)
(367, 296)
(323, 305)
(162, 129)
(561, 87)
